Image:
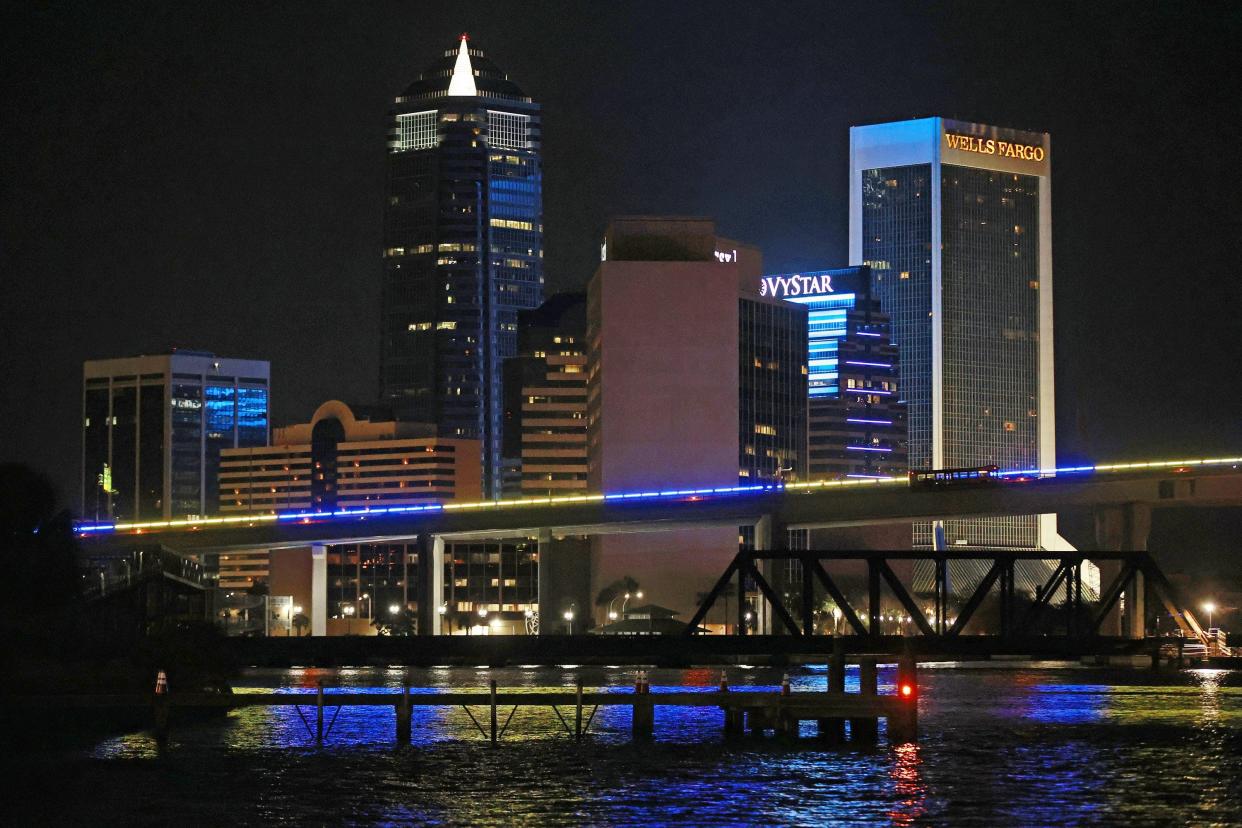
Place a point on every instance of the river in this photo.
(1021, 745)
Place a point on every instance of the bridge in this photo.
(1121, 494)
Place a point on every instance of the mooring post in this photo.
(904, 726)
(160, 710)
(865, 728)
(833, 730)
(642, 722)
(733, 716)
(404, 717)
(578, 714)
(319, 713)
(493, 703)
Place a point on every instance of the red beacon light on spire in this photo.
(465, 35)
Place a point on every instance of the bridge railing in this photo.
(105, 575)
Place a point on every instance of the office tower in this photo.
(153, 428)
(344, 458)
(857, 422)
(545, 427)
(463, 246)
(955, 221)
(694, 379)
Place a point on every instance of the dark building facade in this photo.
(463, 246)
(545, 426)
(772, 415)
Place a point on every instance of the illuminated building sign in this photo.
(795, 285)
(993, 146)
(726, 256)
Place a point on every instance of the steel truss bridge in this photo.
(1122, 496)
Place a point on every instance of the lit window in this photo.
(506, 130)
(417, 130)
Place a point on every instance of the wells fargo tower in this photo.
(463, 246)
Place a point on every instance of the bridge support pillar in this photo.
(430, 583)
(437, 585)
(564, 582)
(319, 590)
(1117, 529)
(771, 536)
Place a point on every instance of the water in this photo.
(1017, 746)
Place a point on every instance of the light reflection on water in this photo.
(1019, 746)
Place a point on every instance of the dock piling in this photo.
(319, 714)
(866, 729)
(578, 714)
(404, 717)
(832, 731)
(642, 723)
(903, 727)
(492, 700)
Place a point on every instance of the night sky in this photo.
(210, 176)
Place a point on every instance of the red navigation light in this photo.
(694, 498)
(1181, 470)
(306, 520)
(907, 691)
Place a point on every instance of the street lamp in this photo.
(625, 603)
(394, 608)
(1209, 607)
(442, 610)
(569, 620)
(348, 609)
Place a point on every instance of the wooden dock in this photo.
(745, 711)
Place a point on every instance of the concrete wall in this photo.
(665, 346)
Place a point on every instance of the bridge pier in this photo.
(1117, 529)
(319, 590)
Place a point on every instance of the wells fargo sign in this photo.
(993, 146)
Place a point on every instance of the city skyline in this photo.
(1101, 412)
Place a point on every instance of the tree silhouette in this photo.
(300, 622)
(38, 550)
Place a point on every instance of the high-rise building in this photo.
(463, 246)
(857, 422)
(545, 426)
(955, 220)
(355, 459)
(153, 429)
(694, 379)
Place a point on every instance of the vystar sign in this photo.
(795, 285)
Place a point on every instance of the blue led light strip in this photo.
(361, 514)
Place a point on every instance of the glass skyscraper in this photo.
(155, 425)
(463, 246)
(856, 423)
(955, 221)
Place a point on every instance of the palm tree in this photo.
(300, 622)
(615, 590)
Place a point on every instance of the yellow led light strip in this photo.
(597, 498)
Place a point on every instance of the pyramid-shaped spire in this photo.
(462, 82)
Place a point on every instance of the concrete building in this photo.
(463, 246)
(343, 459)
(694, 379)
(545, 425)
(154, 428)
